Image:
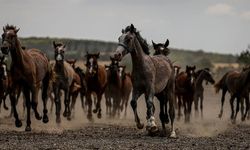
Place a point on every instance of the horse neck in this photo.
(138, 56)
(17, 54)
(199, 79)
(59, 66)
(245, 78)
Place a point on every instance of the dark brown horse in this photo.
(160, 48)
(185, 86)
(64, 80)
(28, 69)
(201, 75)
(125, 89)
(151, 75)
(238, 85)
(113, 89)
(96, 78)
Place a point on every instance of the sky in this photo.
(221, 26)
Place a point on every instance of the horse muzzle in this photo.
(5, 50)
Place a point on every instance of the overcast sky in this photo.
(221, 26)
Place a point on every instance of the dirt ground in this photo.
(208, 132)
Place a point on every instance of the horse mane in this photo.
(10, 27)
(142, 41)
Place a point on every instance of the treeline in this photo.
(78, 48)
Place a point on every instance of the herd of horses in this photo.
(152, 75)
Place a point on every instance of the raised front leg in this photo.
(34, 102)
(133, 103)
(151, 126)
(18, 122)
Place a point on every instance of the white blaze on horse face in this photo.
(91, 60)
(59, 57)
(192, 77)
(161, 48)
(120, 71)
(4, 71)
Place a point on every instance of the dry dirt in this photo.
(121, 133)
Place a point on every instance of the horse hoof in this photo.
(28, 128)
(95, 111)
(140, 126)
(233, 121)
(38, 117)
(69, 118)
(18, 123)
(58, 120)
(99, 115)
(64, 114)
(220, 115)
(166, 120)
(89, 117)
(173, 135)
(45, 119)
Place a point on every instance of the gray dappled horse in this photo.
(151, 75)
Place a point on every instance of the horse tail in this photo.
(219, 85)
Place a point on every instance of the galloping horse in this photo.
(185, 86)
(201, 75)
(238, 85)
(96, 78)
(151, 75)
(5, 82)
(28, 69)
(113, 88)
(64, 80)
(126, 88)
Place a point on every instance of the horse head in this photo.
(3, 69)
(126, 42)
(176, 70)
(160, 48)
(59, 51)
(122, 72)
(9, 38)
(92, 63)
(205, 74)
(190, 70)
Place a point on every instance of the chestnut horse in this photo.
(64, 80)
(151, 75)
(238, 85)
(185, 88)
(28, 69)
(201, 75)
(125, 89)
(96, 79)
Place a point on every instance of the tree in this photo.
(244, 57)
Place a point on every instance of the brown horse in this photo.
(96, 78)
(238, 85)
(125, 89)
(151, 75)
(201, 75)
(28, 69)
(185, 86)
(64, 80)
(79, 78)
(113, 88)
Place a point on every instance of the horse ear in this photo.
(166, 43)
(154, 45)
(123, 31)
(54, 44)
(111, 58)
(132, 28)
(4, 30)
(16, 30)
(98, 54)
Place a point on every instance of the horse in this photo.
(160, 48)
(80, 80)
(201, 75)
(125, 89)
(238, 85)
(185, 88)
(151, 75)
(28, 69)
(64, 80)
(96, 79)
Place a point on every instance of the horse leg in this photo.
(45, 97)
(89, 102)
(222, 102)
(247, 107)
(162, 112)
(126, 105)
(237, 108)
(82, 100)
(171, 111)
(4, 101)
(18, 122)
(35, 101)
(74, 96)
(196, 103)
(98, 105)
(179, 106)
(67, 95)
(133, 103)
(201, 105)
(232, 107)
(26, 93)
(57, 101)
(151, 126)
